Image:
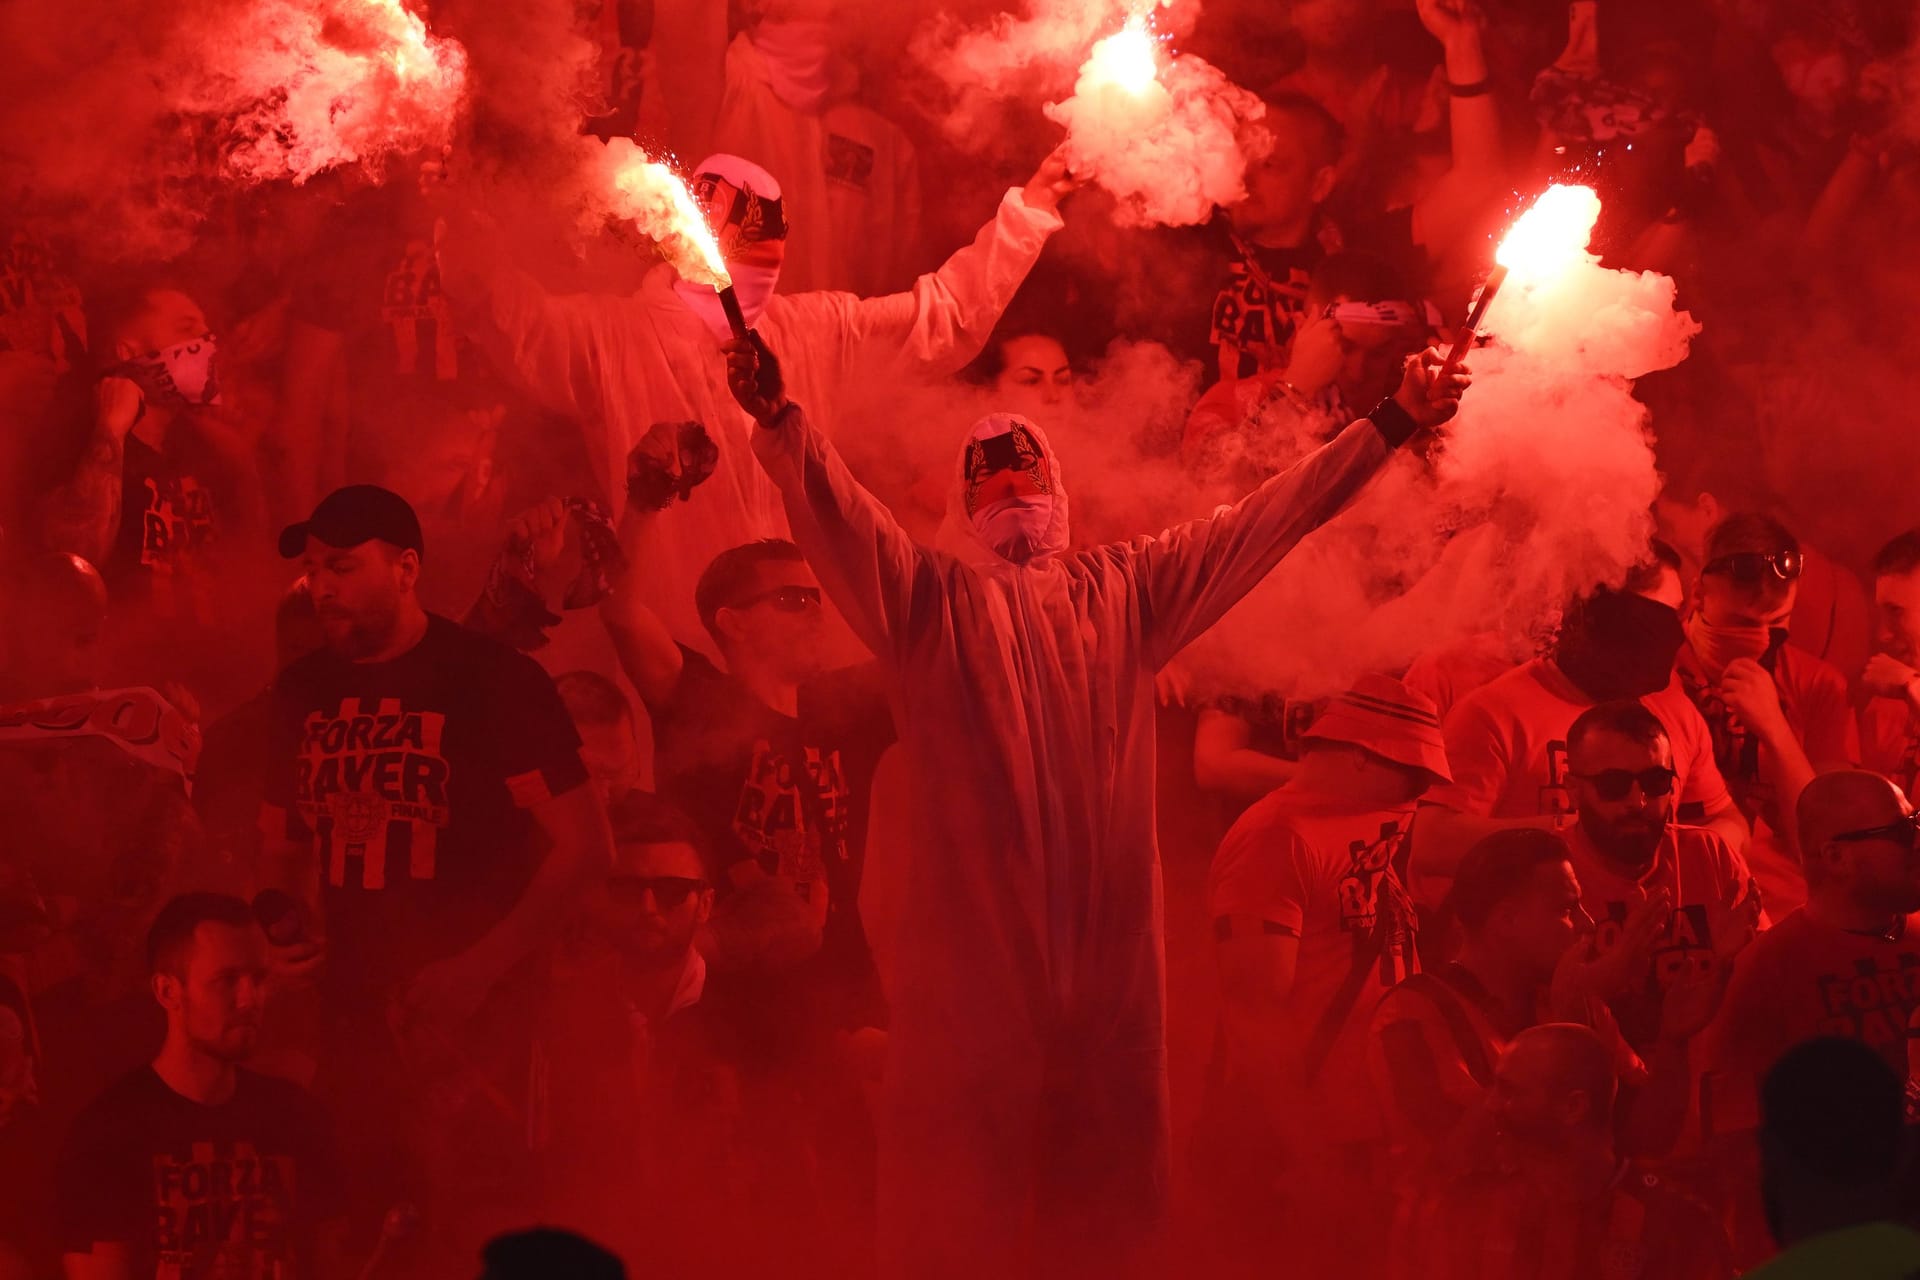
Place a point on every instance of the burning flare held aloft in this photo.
(649, 194)
(309, 85)
(1546, 242)
(1165, 133)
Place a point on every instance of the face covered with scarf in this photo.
(742, 203)
(164, 347)
(1743, 608)
(1010, 503)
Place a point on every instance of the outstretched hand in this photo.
(1051, 182)
(753, 375)
(1429, 398)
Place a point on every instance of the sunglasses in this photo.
(1615, 784)
(785, 599)
(1753, 566)
(1901, 830)
(668, 891)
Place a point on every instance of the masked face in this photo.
(1016, 528)
(169, 352)
(742, 204)
(1011, 494)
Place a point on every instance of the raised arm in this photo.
(869, 566)
(1191, 575)
(944, 320)
(82, 515)
(1473, 120)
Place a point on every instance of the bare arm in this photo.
(82, 515)
(1224, 759)
(1725, 820)
(641, 641)
(1473, 124)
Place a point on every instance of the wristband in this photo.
(1395, 425)
(1479, 88)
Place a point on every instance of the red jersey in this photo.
(1507, 746)
(1334, 881)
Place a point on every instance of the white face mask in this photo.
(183, 375)
(1016, 528)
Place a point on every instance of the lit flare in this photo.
(1127, 60)
(656, 200)
(1551, 236)
(1547, 241)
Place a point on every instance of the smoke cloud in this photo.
(136, 117)
(1542, 491)
(1169, 144)
(1164, 132)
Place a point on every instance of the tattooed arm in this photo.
(82, 515)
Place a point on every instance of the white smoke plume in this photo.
(1542, 491)
(1169, 143)
(1164, 132)
(132, 116)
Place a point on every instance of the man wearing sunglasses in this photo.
(1847, 963)
(631, 1067)
(1777, 713)
(1507, 740)
(1890, 717)
(1626, 848)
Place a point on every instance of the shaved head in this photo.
(1847, 800)
(1860, 857)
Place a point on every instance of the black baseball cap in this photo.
(355, 514)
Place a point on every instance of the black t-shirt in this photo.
(787, 792)
(166, 515)
(759, 788)
(196, 1191)
(412, 778)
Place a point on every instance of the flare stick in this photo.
(736, 319)
(1464, 343)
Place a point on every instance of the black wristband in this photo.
(1395, 425)
(1479, 88)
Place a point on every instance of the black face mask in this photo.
(1615, 644)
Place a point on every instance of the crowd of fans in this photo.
(482, 784)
